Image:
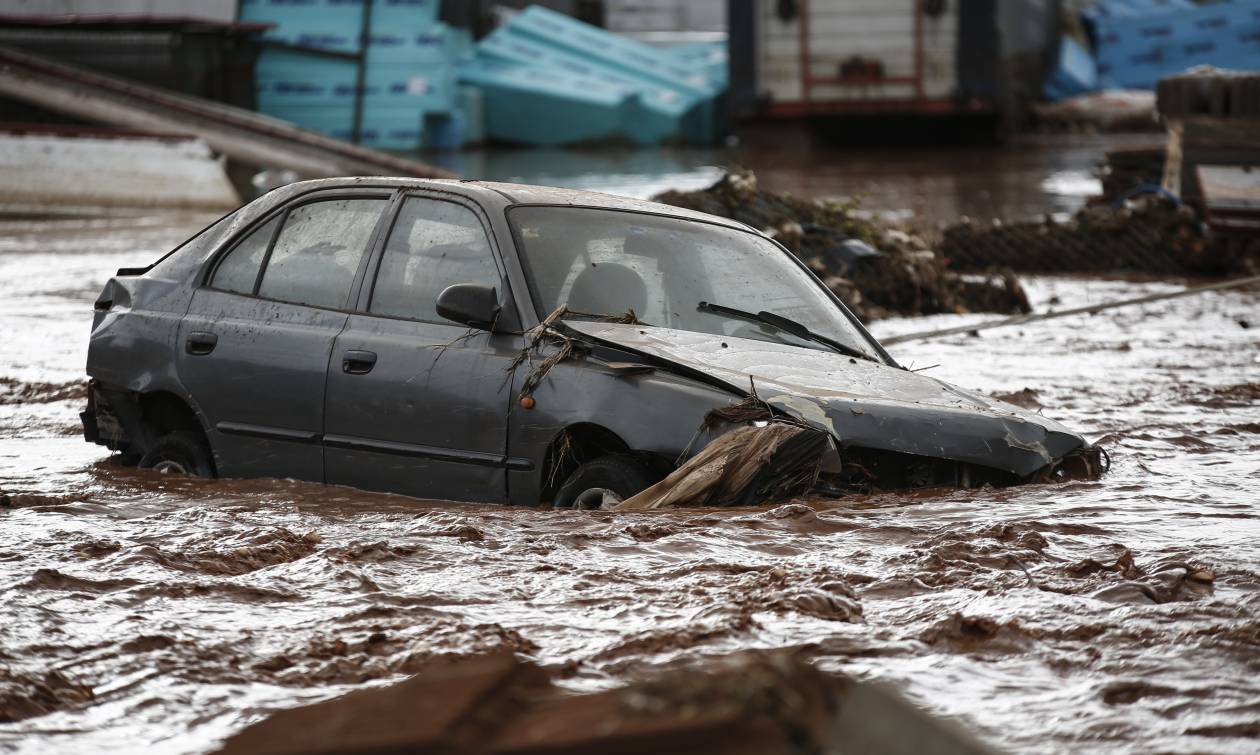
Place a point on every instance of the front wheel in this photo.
(605, 481)
(179, 452)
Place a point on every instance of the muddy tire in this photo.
(608, 478)
(179, 452)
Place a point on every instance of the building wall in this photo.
(219, 10)
(878, 30)
(631, 16)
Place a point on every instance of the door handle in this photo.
(200, 343)
(358, 362)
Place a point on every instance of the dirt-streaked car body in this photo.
(384, 333)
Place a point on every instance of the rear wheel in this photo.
(604, 481)
(179, 452)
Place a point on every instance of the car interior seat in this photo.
(607, 288)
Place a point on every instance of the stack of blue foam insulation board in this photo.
(548, 79)
(1135, 43)
(409, 95)
(1135, 52)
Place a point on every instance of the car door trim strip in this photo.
(266, 431)
(427, 452)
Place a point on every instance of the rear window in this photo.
(238, 272)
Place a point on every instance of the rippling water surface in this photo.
(1121, 615)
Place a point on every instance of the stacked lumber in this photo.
(1213, 118)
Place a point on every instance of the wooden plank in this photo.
(1230, 185)
(1173, 157)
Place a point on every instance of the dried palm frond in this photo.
(546, 333)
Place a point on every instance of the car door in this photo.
(417, 404)
(255, 343)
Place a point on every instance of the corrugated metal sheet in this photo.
(219, 10)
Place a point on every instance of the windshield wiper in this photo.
(786, 325)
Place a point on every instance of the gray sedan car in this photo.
(477, 341)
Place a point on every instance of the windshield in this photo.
(609, 262)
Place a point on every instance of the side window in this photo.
(433, 245)
(238, 271)
(318, 251)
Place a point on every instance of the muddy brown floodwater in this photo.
(143, 612)
(929, 184)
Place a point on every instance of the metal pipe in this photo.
(1088, 309)
(803, 44)
(918, 49)
(360, 76)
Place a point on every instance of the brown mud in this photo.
(19, 392)
(748, 703)
(149, 612)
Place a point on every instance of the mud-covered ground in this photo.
(153, 613)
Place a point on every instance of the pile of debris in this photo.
(878, 271)
(1149, 234)
(1128, 168)
(1198, 197)
(746, 466)
(1110, 111)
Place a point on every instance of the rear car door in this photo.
(417, 404)
(254, 345)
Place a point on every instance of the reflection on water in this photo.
(1035, 176)
(156, 613)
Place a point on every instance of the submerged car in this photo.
(476, 341)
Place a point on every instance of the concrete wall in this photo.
(219, 10)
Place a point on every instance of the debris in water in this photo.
(748, 465)
(1028, 398)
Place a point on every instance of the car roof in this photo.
(508, 194)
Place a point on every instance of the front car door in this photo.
(417, 404)
(255, 343)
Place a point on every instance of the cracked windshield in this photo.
(666, 271)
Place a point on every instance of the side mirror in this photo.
(470, 304)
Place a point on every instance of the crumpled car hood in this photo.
(861, 403)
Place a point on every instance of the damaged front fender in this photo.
(863, 404)
(1009, 443)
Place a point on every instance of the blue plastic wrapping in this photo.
(1074, 73)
